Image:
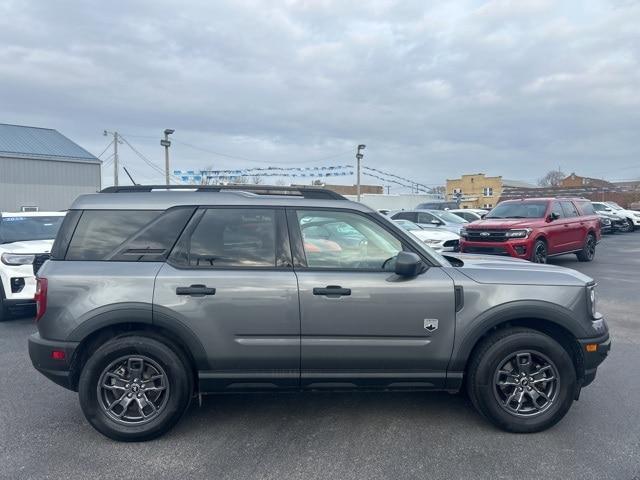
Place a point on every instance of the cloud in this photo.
(508, 87)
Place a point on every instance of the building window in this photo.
(457, 190)
(487, 191)
(487, 205)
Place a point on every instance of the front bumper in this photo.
(518, 248)
(593, 356)
(58, 371)
(23, 272)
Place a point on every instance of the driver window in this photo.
(557, 209)
(424, 217)
(342, 240)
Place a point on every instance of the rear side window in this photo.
(126, 235)
(229, 237)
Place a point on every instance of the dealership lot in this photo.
(43, 433)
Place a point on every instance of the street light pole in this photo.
(359, 158)
(166, 144)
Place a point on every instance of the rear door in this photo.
(362, 325)
(230, 281)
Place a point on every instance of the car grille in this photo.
(39, 261)
(486, 235)
(486, 250)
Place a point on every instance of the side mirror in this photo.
(608, 209)
(435, 222)
(482, 216)
(553, 216)
(408, 264)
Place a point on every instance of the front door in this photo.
(362, 325)
(230, 281)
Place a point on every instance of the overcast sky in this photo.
(434, 89)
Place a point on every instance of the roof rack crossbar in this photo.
(304, 192)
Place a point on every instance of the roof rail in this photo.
(304, 192)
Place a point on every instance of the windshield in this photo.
(448, 217)
(518, 210)
(16, 229)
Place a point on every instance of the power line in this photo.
(146, 160)
(106, 148)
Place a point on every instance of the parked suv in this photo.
(152, 297)
(535, 229)
(25, 241)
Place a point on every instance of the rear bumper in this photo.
(512, 248)
(58, 371)
(593, 359)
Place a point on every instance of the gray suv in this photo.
(153, 297)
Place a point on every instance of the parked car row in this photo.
(531, 229)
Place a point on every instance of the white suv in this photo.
(630, 216)
(25, 242)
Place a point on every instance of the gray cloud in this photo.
(511, 87)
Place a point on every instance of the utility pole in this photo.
(115, 155)
(359, 158)
(166, 144)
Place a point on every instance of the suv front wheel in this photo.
(521, 380)
(134, 388)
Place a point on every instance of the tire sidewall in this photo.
(178, 378)
(484, 378)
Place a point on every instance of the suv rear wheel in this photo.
(134, 388)
(588, 252)
(521, 380)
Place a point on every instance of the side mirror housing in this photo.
(408, 264)
(435, 222)
(553, 216)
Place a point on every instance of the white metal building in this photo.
(41, 169)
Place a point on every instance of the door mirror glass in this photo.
(408, 264)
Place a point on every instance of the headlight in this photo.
(637, 214)
(433, 242)
(591, 299)
(523, 233)
(17, 259)
(606, 221)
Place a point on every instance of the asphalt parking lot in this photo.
(43, 433)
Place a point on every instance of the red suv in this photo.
(534, 229)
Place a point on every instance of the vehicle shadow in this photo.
(344, 410)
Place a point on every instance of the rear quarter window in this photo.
(126, 235)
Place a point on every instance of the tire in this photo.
(505, 406)
(118, 364)
(539, 253)
(3, 310)
(632, 225)
(588, 252)
(628, 226)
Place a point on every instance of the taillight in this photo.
(41, 297)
